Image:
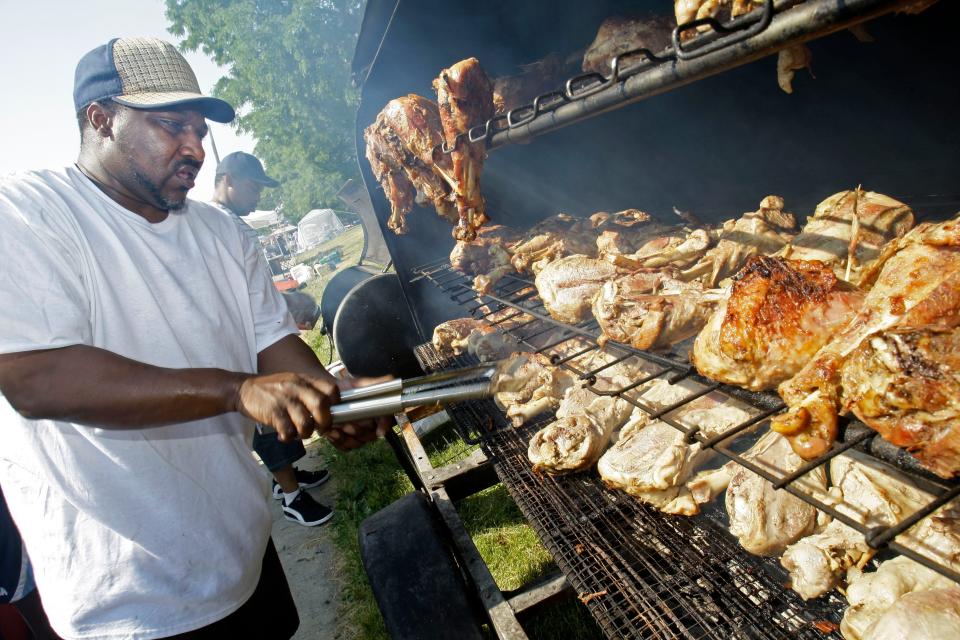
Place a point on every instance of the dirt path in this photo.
(310, 559)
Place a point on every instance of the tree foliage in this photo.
(289, 80)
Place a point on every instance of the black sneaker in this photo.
(306, 511)
(306, 480)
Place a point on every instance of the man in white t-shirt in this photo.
(141, 339)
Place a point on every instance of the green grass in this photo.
(370, 478)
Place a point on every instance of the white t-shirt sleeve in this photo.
(42, 292)
(271, 318)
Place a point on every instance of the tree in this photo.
(289, 80)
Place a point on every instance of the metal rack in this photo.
(519, 295)
(642, 575)
(640, 74)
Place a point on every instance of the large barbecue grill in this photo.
(879, 113)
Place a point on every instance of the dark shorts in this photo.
(275, 454)
(16, 577)
(269, 614)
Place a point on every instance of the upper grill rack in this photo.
(519, 295)
(641, 73)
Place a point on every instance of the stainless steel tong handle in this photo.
(383, 405)
(414, 385)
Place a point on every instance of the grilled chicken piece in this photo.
(450, 337)
(677, 247)
(625, 232)
(527, 384)
(583, 428)
(568, 285)
(649, 310)
(652, 460)
(723, 10)
(400, 145)
(901, 599)
(921, 615)
(485, 252)
(534, 79)
(776, 315)
(789, 60)
(848, 230)
(618, 35)
(887, 365)
(764, 519)
(906, 385)
(551, 239)
(465, 98)
(488, 345)
(760, 232)
(487, 256)
(873, 497)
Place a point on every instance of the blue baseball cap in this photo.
(243, 165)
(143, 73)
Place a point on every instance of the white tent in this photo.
(317, 226)
(260, 219)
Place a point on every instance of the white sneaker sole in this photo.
(295, 516)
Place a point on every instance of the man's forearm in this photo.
(92, 386)
(292, 354)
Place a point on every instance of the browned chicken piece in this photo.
(551, 239)
(895, 364)
(764, 231)
(676, 247)
(488, 344)
(649, 310)
(465, 97)
(527, 384)
(450, 337)
(625, 232)
(652, 460)
(497, 252)
(776, 316)
(618, 35)
(400, 148)
(847, 231)
(723, 10)
(487, 256)
(534, 79)
(583, 427)
(568, 285)
(871, 496)
(790, 60)
(901, 599)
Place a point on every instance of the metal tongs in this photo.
(386, 398)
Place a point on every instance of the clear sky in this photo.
(40, 44)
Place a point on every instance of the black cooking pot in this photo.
(373, 330)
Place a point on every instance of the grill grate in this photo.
(663, 576)
(653, 576)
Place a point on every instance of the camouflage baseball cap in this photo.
(143, 73)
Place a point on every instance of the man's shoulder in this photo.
(37, 195)
(34, 183)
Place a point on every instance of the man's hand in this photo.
(352, 435)
(295, 405)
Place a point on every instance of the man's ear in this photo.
(100, 120)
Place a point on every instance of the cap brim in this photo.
(266, 181)
(213, 108)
